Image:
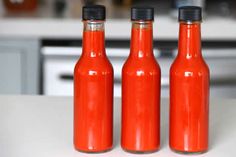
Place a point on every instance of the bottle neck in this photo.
(190, 40)
(93, 39)
(141, 39)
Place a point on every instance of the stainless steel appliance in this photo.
(58, 66)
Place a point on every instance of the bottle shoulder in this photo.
(197, 65)
(146, 65)
(98, 64)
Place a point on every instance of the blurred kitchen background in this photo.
(40, 42)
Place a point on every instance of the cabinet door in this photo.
(11, 71)
(19, 66)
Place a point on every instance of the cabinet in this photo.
(19, 66)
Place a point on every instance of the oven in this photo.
(59, 62)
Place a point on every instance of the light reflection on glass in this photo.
(188, 74)
(91, 72)
(140, 73)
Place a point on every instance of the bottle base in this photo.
(93, 151)
(140, 152)
(189, 152)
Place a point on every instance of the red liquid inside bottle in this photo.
(93, 93)
(141, 93)
(189, 93)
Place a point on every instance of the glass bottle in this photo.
(189, 88)
(141, 88)
(93, 87)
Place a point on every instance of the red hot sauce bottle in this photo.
(189, 88)
(93, 87)
(141, 88)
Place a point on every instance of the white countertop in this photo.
(39, 126)
(165, 27)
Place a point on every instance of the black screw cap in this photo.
(94, 12)
(142, 13)
(190, 13)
